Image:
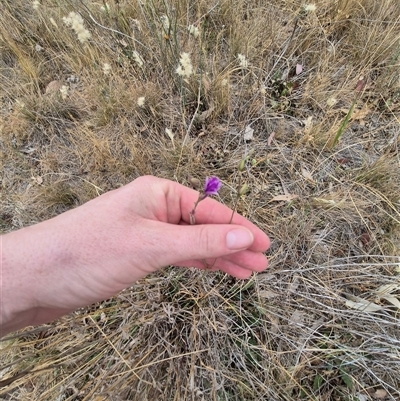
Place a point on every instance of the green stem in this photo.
(234, 208)
(237, 198)
(343, 124)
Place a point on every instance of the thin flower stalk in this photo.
(241, 188)
(211, 187)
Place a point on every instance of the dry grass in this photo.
(289, 333)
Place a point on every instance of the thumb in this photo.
(182, 243)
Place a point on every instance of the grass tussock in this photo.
(88, 107)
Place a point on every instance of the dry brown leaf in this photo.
(361, 83)
(329, 202)
(248, 133)
(392, 299)
(306, 174)
(270, 138)
(387, 289)
(297, 317)
(53, 86)
(386, 292)
(37, 179)
(170, 135)
(380, 393)
(287, 197)
(363, 305)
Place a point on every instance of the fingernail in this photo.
(239, 239)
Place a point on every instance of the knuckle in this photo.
(206, 242)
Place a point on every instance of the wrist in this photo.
(29, 258)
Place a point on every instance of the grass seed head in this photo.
(75, 21)
(106, 69)
(243, 62)
(185, 68)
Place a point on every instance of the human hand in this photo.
(94, 251)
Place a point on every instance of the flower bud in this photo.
(196, 184)
(242, 165)
(244, 189)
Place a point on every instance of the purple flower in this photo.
(212, 186)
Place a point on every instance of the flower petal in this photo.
(212, 186)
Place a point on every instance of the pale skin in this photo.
(90, 253)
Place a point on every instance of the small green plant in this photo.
(359, 88)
